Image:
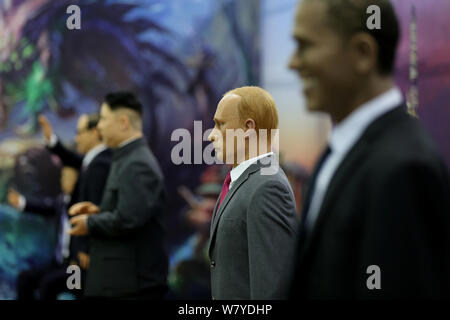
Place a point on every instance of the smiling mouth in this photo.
(309, 84)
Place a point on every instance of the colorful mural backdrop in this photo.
(178, 56)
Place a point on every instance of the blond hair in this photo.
(257, 104)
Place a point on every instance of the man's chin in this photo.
(222, 158)
(219, 156)
(313, 106)
(108, 143)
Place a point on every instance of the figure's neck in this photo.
(129, 138)
(249, 155)
(361, 97)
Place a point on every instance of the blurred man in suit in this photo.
(375, 219)
(50, 280)
(128, 258)
(254, 224)
(93, 161)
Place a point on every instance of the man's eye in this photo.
(303, 45)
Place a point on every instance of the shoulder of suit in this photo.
(260, 180)
(141, 163)
(403, 158)
(405, 143)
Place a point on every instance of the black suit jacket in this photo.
(386, 205)
(92, 180)
(89, 186)
(127, 237)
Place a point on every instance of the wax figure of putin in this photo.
(128, 258)
(375, 220)
(254, 224)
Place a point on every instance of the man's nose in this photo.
(295, 63)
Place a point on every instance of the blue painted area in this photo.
(26, 241)
(178, 56)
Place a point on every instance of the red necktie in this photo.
(225, 188)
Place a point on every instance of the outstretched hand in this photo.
(45, 126)
(85, 207)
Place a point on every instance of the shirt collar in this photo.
(237, 171)
(128, 141)
(345, 134)
(92, 154)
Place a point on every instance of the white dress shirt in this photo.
(237, 171)
(88, 157)
(91, 154)
(342, 138)
(65, 241)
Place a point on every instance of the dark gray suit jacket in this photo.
(253, 237)
(127, 237)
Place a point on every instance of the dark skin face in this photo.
(339, 73)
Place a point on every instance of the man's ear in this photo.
(249, 127)
(249, 124)
(365, 53)
(124, 121)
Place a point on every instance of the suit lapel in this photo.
(309, 189)
(236, 185)
(306, 204)
(344, 170)
(215, 213)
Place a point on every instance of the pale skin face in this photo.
(225, 118)
(108, 126)
(85, 138)
(115, 126)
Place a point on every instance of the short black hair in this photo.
(350, 16)
(93, 119)
(123, 99)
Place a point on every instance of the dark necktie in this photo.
(225, 188)
(312, 184)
